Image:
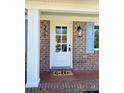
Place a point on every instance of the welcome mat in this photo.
(62, 73)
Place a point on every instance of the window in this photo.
(96, 38)
(61, 38)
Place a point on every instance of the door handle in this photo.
(69, 49)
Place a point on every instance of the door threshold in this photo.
(63, 67)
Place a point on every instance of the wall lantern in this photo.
(80, 31)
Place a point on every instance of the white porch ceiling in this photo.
(67, 6)
(68, 1)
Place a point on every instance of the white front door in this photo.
(60, 44)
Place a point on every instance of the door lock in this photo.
(69, 49)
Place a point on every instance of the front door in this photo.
(60, 44)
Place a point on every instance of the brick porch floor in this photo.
(76, 83)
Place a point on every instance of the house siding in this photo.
(81, 60)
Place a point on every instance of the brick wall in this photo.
(44, 44)
(81, 60)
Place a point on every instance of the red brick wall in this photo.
(81, 60)
(44, 44)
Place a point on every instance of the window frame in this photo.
(95, 28)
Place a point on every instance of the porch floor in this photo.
(79, 82)
(47, 76)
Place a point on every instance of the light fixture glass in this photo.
(80, 31)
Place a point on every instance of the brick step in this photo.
(65, 87)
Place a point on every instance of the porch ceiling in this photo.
(68, 1)
(67, 6)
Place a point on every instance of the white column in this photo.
(33, 49)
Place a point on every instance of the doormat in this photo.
(62, 73)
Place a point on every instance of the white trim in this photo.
(71, 36)
(96, 49)
(33, 84)
(50, 46)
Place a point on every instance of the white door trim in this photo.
(71, 42)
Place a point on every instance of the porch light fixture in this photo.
(80, 31)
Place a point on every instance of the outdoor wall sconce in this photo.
(80, 31)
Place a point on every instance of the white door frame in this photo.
(71, 42)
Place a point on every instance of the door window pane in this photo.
(58, 29)
(64, 30)
(64, 47)
(58, 39)
(58, 47)
(64, 39)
